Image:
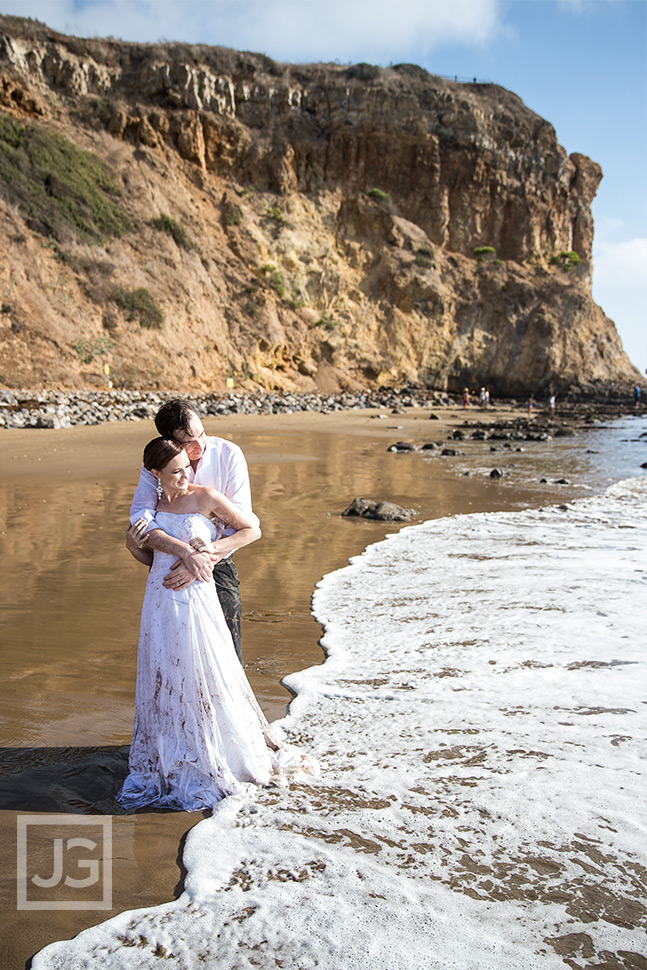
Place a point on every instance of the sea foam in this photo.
(479, 722)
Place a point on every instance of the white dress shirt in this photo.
(222, 466)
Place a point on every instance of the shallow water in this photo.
(480, 722)
(71, 598)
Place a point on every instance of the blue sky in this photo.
(581, 64)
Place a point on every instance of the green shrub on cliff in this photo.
(483, 252)
(274, 278)
(138, 305)
(379, 195)
(176, 231)
(567, 259)
(59, 188)
(327, 322)
(91, 348)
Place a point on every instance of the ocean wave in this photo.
(480, 724)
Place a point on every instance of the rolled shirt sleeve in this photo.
(222, 466)
(237, 487)
(145, 499)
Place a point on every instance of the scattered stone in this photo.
(562, 481)
(402, 446)
(644, 464)
(543, 481)
(381, 511)
(27, 409)
(33, 409)
(496, 473)
(429, 446)
(434, 417)
(449, 452)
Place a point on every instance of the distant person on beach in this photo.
(466, 397)
(199, 733)
(531, 404)
(551, 405)
(214, 462)
(637, 393)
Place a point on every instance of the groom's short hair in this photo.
(174, 416)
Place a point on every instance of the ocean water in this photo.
(480, 725)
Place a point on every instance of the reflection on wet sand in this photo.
(71, 597)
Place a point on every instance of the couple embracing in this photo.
(199, 733)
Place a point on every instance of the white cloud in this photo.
(620, 288)
(621, 262)
(376, 30)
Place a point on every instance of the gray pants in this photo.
(225, 577)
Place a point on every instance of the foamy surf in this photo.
(479, 723)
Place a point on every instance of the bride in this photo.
(199, 733)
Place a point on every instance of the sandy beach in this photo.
(71, 600)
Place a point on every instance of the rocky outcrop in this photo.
(333, 214)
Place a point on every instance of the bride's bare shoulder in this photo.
(205, 495)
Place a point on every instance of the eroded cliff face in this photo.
(299, 274)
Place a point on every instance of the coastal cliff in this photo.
(180, 216)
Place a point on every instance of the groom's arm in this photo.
(192, 564)
(235, 482)
(196, 565)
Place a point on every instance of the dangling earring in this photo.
(160, 491)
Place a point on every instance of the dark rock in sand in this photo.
(429, 446)
(562, 481)
(402, 446)
(644, 464)
(366, 508)
(449, 452)
(434, 417)
(496, 473)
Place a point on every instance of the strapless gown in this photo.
(199, 733)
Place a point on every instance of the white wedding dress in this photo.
(199, 733)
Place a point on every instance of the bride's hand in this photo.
(199, 565)
(179, 577)
(135, 534)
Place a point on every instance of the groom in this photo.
(219, 464)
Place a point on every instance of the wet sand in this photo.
(71, 597)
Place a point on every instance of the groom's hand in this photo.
(195, 565)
